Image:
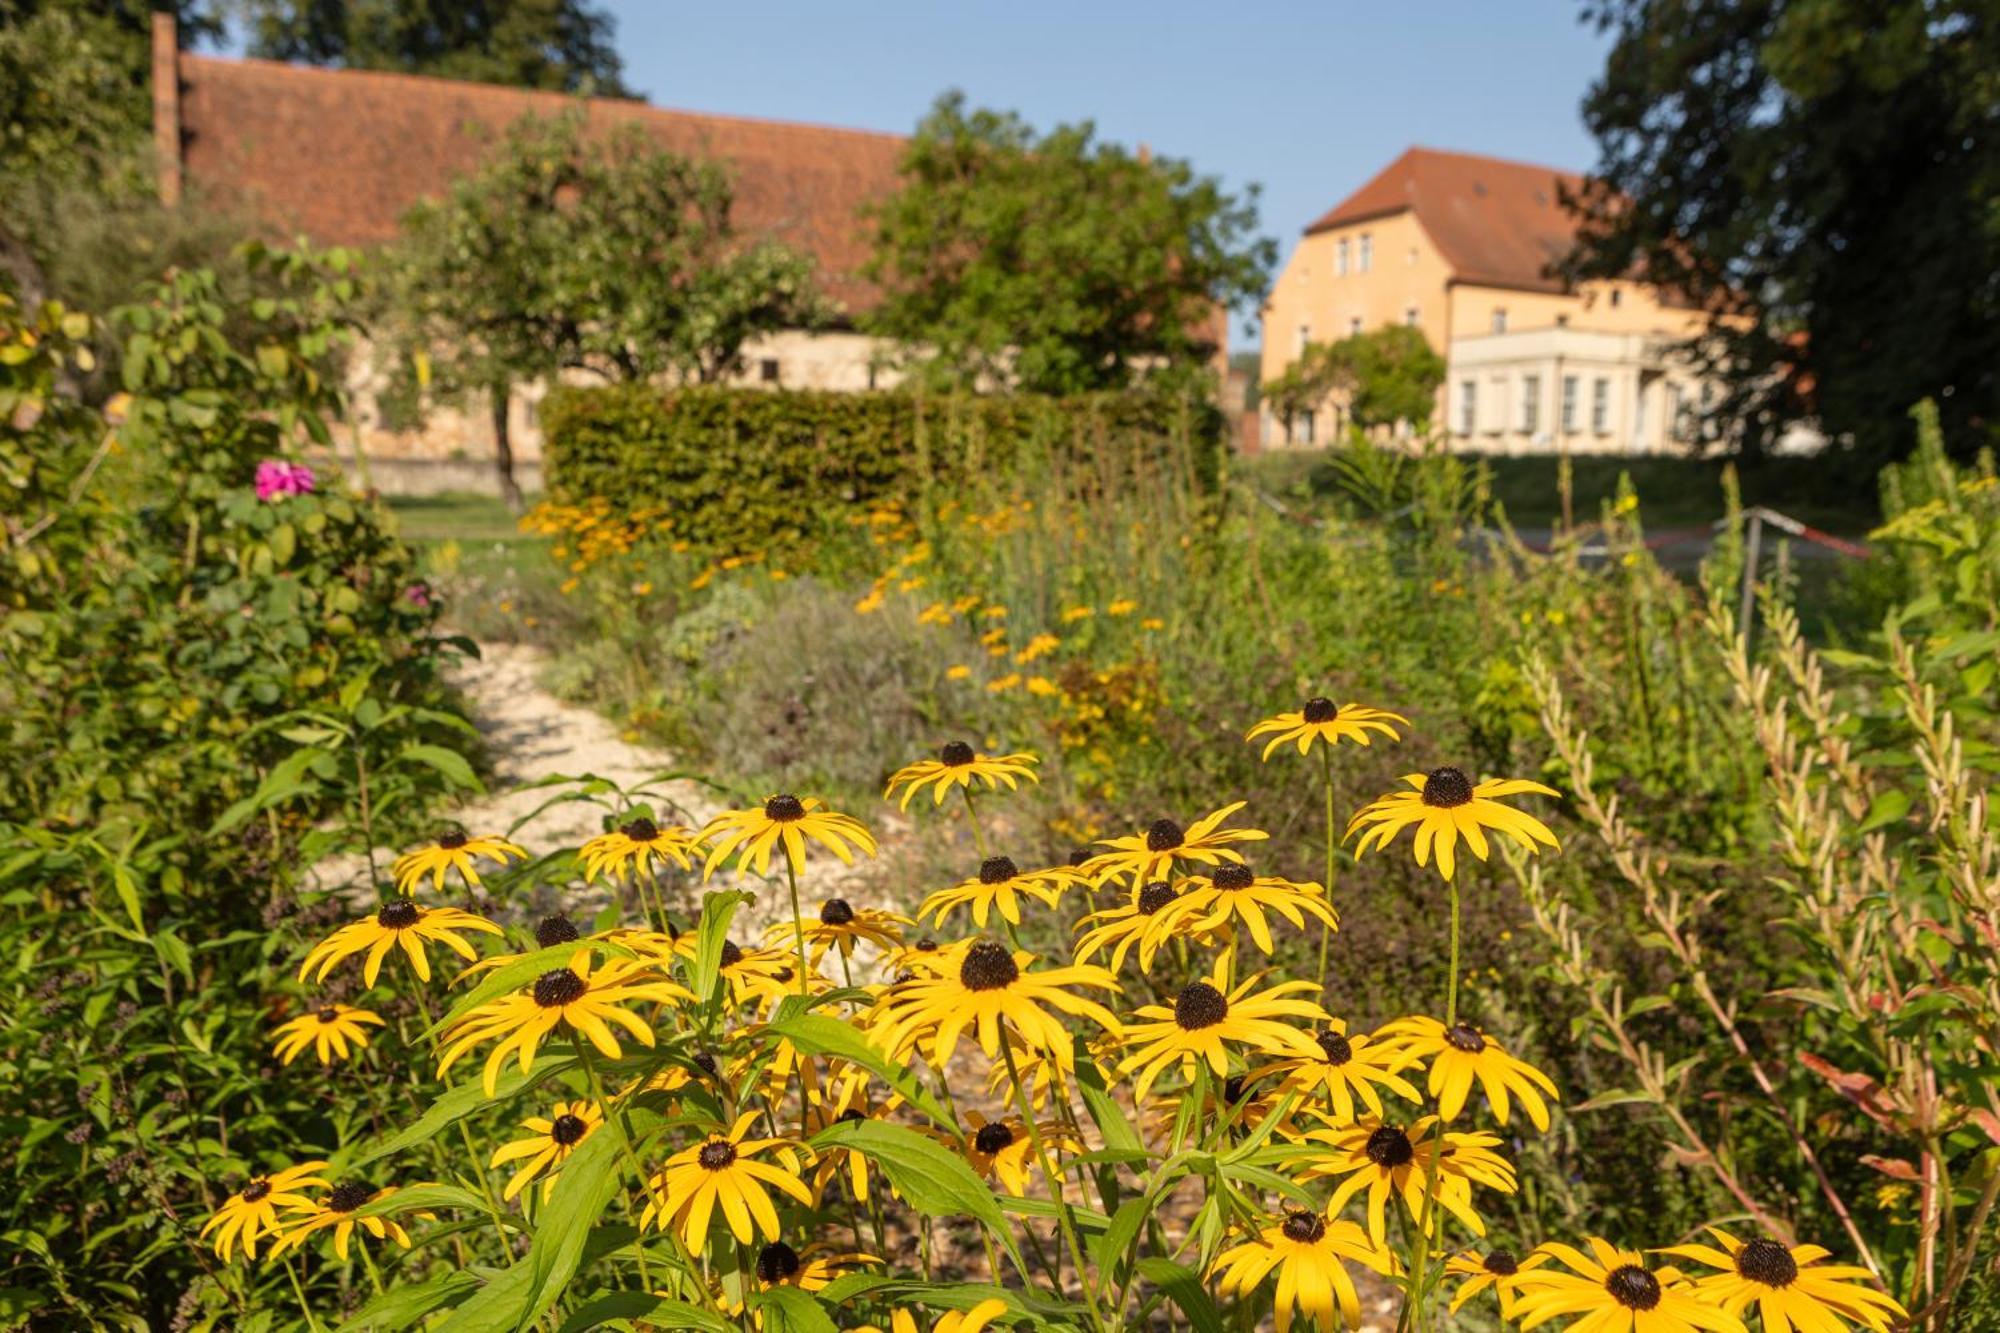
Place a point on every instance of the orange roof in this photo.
(341, 154)
(1497, 223)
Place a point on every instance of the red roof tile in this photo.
(1496, 222)
(341, 154)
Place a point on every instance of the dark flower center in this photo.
(1155, 896)
(732, 953)
(997, 870)
(1501, 1263)
(1078, 856)
(925, 945)
(346, 1198)
(1389, 1147)
(453, 840)
(1768, 1263)
(706, 1064)
(1320, 709)
(568, 1129)
(328, 1014)
(553, 930)
(1164, 836)
(1337, 1048)
(1633, 1287)
(784, 809)
(988, 966)
(992, 1138)
(956, 754)
(399, 915)
(1447, 787)
(716, 1154)
(776, 1262)
(1233, 1089)
(1465, 1037)
(641, 829)
(1199, 1006)
(836, 912)
(1233, 876)
(1304, 1228)
(255, 1190)
(849, 1115)
(555, 989)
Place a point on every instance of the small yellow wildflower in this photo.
(568, 586)
(870, 604)
(1124, 606)
(1152, 622)
(959, 672)
(1076, 613)
(1039, 646)
(1005, 683)
(1043, 686)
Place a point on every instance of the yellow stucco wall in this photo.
(1605, 307)
(1405, 272)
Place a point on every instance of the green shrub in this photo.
(752, 470)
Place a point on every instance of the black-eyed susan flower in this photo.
(1610, 1288)
(761, 976)
(590, 1004)
(1790, 1285)
(635, 846)
(1390, 1160)
(1000, 885)
(1496, 1270)
(787, 821)
(337, 1213)
(1324, 722)
(959, 765)
(402, 923)
(841, 925)
(549, 1142)
(453, 850)
(726, 1171)
(252, 1211)
(982, 986)
(1003, 1150)
(810, 1269)
(1209, 1013)
(331, 1030)
(1459, 1055)
(1138, 921)
(1306, 1251)
(974, 1320)
(1141, 858)
(1233, 892)
(848, 1100)
(1346, 1068)
(1445, 805)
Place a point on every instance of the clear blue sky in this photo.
(1307, 100)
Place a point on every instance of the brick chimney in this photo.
(167, 106)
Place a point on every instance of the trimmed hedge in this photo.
(750, 469)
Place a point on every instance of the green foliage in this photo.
(558, 45)
(746, 470)
(1386, 377)
(1055, 263)
(1789, 160)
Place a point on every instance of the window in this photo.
(1617, 298)
(1468, 406)
(1305, 336)
(1411, 261)
(1600, 405)
(1562, 321)
(1302, 428)
(1367, 251)
(1411, 316)
(1354, 325)
(1569, 404)
(1500, 319)
(1531, 404)
(1340, 258)
(767, 370)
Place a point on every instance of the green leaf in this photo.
(449, 763)
(402, 1306)
(640, 1305)
(935, 1180)
(1114, 1245)
(413, 1198)
(285, 780)
(718, 908)
(789, 1310)
(1183, 1287)
(1104, 1109)
(821, 1034)
(1888, 807)
(457, 1103)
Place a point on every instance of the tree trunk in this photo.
(503, 447)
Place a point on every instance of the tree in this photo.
(562, 45)
(1055, 263)
(1822, 172)
(568, 253)
(1388, 375)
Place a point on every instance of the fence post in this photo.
(1750, 556)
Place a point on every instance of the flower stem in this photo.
(1419, 1287)
(1326, 927)
(1063, 1214)
(798, 923)
(300, 1292)
(972, 813)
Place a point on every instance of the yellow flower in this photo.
(1124, 606)
(1003, 683)
(1391, 1160)
(252, 1211)
(1039, 646)
(1306, 1250)
(562, 997)
(569, 586)
(1460, 1054)
(870, 604)
(750, 835)
(958, 672)
(1444, 805)
(399, 923)
(959, 765)
(999, 884)
(452, 850)
(725, 1170)
(1152, 623)
(1208, 1013)
(1075, 613)
(1003, 1149)
(981, 986)
(1043, 687)
(779, 1265)
(1138, 921)
(328, 1030)
(973, 1320)
(1143, 857)
(841, 925)
(1498, 1269)
(1347, 1066)
(634, 846)
(1322, 720)
(1612, 1288)
(337, 1211)
(1234, 891)
(551, 1139)
(1789, 1285)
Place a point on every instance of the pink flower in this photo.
(277, 478)
(419, 594)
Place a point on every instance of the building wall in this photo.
(1628, 393)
